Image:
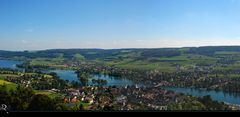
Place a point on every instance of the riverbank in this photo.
(221, 97)
(234, 107)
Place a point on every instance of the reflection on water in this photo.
(70, 75)
(220, 96)
(9, 64)
(112, 80)
(118, 81)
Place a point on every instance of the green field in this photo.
(49, 93)
(144, 59)
(2, 77)
(227, 53)
(9, 85)
(75, 106)
(166, 64)
(54, 62)
(132, 60)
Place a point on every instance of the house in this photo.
(89, 100)
(73, 92)
(121, 100)
(66, 99)
(74, 99)
(55, 90)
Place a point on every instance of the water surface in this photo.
(9, 64)
(220, 96)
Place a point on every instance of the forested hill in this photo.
(106, 53)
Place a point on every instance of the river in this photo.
(220, 96)
(70, 75)
(9, 64)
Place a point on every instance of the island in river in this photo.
(129, 78)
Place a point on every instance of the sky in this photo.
(107, 24)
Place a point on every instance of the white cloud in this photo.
(139, 40)
(161, 42)
(30, 27)
(29, 30)
(24, 42)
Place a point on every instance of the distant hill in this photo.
(142, 53)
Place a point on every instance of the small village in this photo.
(125, 98)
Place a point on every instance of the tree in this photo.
(212, 105)
(20, 98)
(83, 77)
(41, 103)
(81, 107)
(78, 57)
(4, 96)
(53, 74)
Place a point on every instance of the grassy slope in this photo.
(48, 93)
(228, 54)
(132, 60)
(9, 85)
(55, 62)
(162, 63)
(2, 77)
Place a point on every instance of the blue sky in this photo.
(46, 24)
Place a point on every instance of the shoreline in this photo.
(233, 106)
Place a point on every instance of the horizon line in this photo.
(119, 48)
